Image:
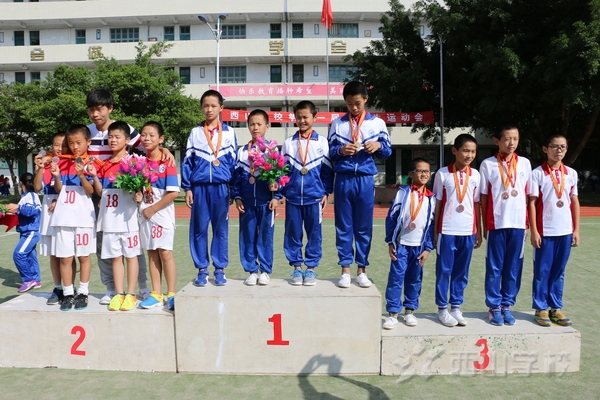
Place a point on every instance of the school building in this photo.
(272, 53)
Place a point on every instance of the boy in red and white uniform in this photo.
(554, 222)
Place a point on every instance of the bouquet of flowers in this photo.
(10, 220)
(2, 211)
(270, 163)
(136, 174)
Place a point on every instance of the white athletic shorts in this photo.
(47, 245)
(78, 242)
(120, 244)
(155, 237)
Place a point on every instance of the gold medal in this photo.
(304, 171)
(460, 208)
(216, 162)
(514, 193)
(252, 180)
(560, 204)
(504, 195)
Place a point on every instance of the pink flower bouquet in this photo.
(271, 164)
(136, 174)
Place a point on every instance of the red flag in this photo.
(327, 14)
(10, 220)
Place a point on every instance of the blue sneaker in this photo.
(202, 279)
(171, 303)
(297, 277)
(309, 278)
(508, 317)
(220, 279)
(495, 317)
(154, 300)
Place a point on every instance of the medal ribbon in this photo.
(252, 167)
(557, 190)
(460, 190)
(511, 167)
(414, 209)
(85, 158)
(209, 139)
(356, 133)
(303, 157)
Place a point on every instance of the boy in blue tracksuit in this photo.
(256, 204)
(311, 180)
(29, 211)
(409, 235)
(207, 172)
(355, 140)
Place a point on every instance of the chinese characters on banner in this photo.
(279, 90)
(325, 118)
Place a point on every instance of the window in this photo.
(185, 75)
(34, 38)
(275, 31)
(80, 36)
(18, 1)
(20, 77)
(122, 35)
(1, 76)
(338, 109)
(19, 38)
(298, 73)
(275, 124)
(234, 32)
(232, 74)
(1, 37)
(169, 33)
(184, 33)
(35, 76)
(298, 31)
(275, 73)
(343, 30)
(338, 73)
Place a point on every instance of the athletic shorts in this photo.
(120, 244)
(155, 237)
(78, 242)
(47, 245)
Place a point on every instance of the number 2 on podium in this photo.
(277, 339)
(78, 330)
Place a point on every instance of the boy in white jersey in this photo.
(504, 190)
(554, 223)
(457, 228)
(118, 220)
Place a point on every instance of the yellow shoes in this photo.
(115, 302)
(122, 302)
(129, 302)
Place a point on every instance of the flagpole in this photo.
(327, 57)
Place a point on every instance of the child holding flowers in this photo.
(311, 180)
(259, 165)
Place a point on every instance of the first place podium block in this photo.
(35, 335)
(278, 329)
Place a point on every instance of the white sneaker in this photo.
(410, 319)
(344, 281)
(251, 279)
(457, 315)
(264, 279)
(362, 280)
(105, 300)
(447, 319)
(390, 322)
(144, 293)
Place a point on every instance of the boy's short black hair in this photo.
(157, 125)
(553, 136)
(353, 88)
(306, 105)
(504, 127)
(27, 180)
(100, 97)
(462, 139)
(212, 93)
(415, 161)
(79, 128)
(259, 112)
(120, 126)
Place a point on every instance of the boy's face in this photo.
(258, 126)
(420, 175)
(117, 140)
(150, 137)
(57, 144)
(556, 149)
(304, 120)
(509, 141)
(211, 108)
(78, 143)
(356, 104)
(100, 115)
(466, 154)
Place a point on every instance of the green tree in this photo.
(530, 62)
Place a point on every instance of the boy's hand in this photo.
(12, 208)
(38, 161)
(536, 240)
(478, 239)
(372, 147)
(324, 202)
(148, 212)
(54, 170)
(167, 156)
(189, 198)
(422, 258)
(273, 204)
(392, 252)
(349, 149)
(79, 169)
(92, 170)
(52, 206)
(137, 197)
(240, 206)
(575, 240)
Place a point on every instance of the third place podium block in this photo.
(278, 329)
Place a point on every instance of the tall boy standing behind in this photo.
(354, 141)
(504, 190)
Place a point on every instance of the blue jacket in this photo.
(30, 212)
(372, 129)
(393, 221)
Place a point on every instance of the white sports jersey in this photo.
(451, 221)
(166, 182)
(74, 208)
(414, 237)
(118, 212)
(506, 208)
(552, 220)
(45, 227)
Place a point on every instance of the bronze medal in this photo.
(412, 226)
(252, 180)
(504, 195)
(514, 193)
(304, 171)
(216, 162)
(460, 208)
(560, 204)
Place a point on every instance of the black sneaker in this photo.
(81, 301)
(56, 297)
(67, 303)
